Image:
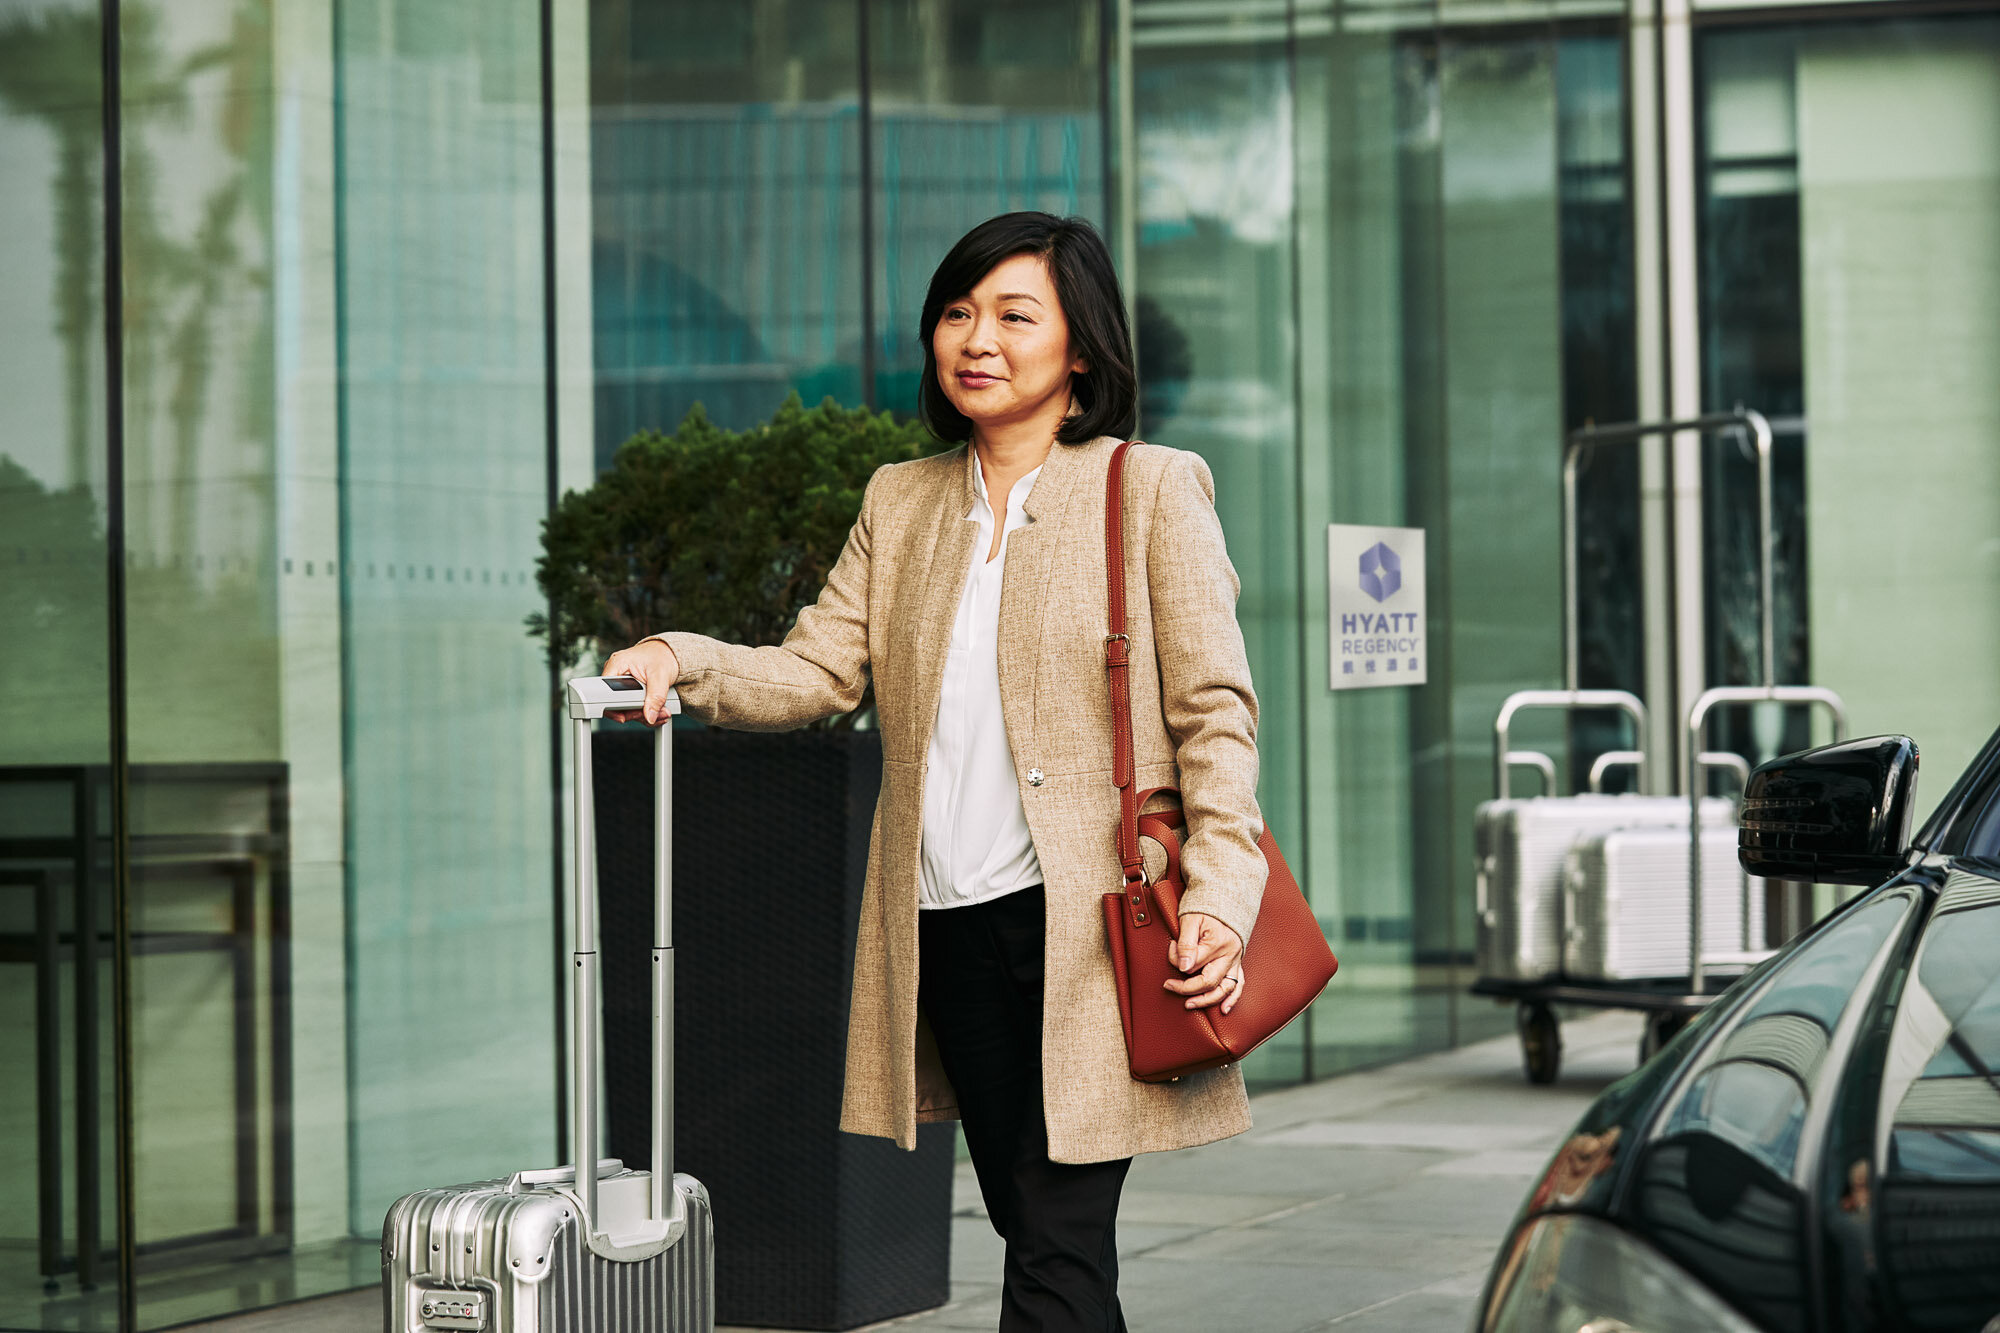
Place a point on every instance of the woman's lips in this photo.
(973, 379)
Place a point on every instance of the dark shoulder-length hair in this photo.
(1086, 284)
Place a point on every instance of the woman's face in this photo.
(1003, 352)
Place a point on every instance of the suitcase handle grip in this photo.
(559, 1175)
(589, 697)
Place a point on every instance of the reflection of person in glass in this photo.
(972, 592)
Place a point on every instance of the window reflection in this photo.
(58, 1216)
(977, 109)
(1216, 133)
(726, 246)
(1938, 1134)
(1719, 1181)
(1941, 1090)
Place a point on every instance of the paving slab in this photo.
(1366, 1203)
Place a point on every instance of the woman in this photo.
(972, 591)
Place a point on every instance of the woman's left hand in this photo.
(1212, 956)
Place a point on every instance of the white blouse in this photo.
(976, 845)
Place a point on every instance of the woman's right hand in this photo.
(653, 665)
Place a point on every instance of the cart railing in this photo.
(1540, 762)
(1611, 759)
(1568, 701)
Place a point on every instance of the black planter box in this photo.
(814, 1229)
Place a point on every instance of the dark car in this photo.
(1820, 1149)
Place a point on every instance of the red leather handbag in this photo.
(1286, 962)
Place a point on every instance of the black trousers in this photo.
(980, 985)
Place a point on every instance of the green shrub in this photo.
(725, 533)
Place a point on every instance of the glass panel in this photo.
(1850, 220)
(1215, 257)
(1751, 357)
(1357, 225)
(1453, 253)
(453, 938)
(1899, 242)
(978, 110)
(233, 614)
(1600, 377)
(726, 228)
(1485, 453)
(57, 1219)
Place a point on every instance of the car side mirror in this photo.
(1839, 814)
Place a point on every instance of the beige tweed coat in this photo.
(886, 612)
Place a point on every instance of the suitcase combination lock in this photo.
(453, 1309)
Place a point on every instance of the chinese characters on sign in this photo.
(1375, 606)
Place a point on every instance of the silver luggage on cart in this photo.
(1521, 847)
(611, 1251)
(1625, 904)
(1623, 932)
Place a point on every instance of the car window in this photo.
(1975, 831)
(1941, 1084)
(1718, 1186)
(1760, 1079)
(1982, 829)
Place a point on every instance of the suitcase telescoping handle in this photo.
(589, 697)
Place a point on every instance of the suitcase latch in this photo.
(452, 1309)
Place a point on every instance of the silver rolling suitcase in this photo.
(1625, 905)
(559, 1251)
(1520, 847)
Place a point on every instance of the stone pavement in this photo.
(1366, 1203)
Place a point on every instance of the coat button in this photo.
(1034, 777)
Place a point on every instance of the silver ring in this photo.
(1234, 981)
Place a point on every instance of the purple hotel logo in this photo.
(1381, 572)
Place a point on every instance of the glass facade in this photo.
(280, 805)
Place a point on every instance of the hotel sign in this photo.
(1375, 606)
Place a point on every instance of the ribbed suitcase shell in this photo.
(525, 1253)
(1520, 847)
(1627, 904)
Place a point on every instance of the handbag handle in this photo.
(1117, 667)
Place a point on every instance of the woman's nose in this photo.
(980, 339)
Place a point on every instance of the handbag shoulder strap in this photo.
(1117, 666)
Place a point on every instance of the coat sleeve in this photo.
(1206, 697)
(820, 669)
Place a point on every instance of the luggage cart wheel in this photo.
(1541, 1041)
(1661, 1028)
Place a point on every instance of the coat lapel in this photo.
(952, 540)
(1024, 599)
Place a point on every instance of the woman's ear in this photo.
(1080, 366)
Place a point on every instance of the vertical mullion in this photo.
(1106, 126)
(48, 1073)
(552, 479)
(89, 1091)
(1302, 841)
(344, 517)
(116, 675)
(865, 70)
